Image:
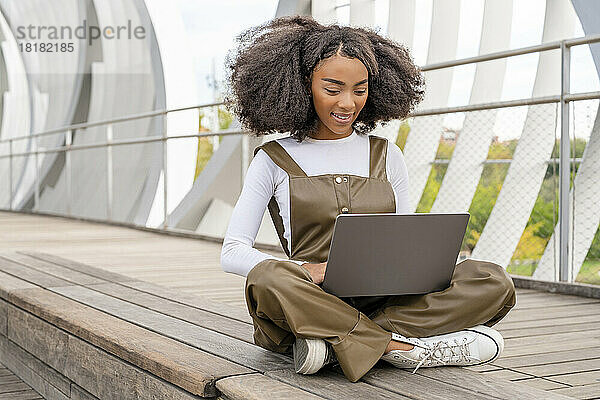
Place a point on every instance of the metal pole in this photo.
(36, 202)
(165, 172)
(564, 169)
(10, 172)
(109, 172)
(68, 139)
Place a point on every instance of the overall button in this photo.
(345, 210)
(345, 179)
(338, 179)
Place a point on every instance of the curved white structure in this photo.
(422, 143)
(112, 78)
(521, 186)
(472, 146)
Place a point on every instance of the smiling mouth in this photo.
(342, 117)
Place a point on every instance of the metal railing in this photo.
(564, 98)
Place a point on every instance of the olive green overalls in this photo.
(284, 302)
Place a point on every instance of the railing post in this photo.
(10, 172)
(564, 168)
(165, 172)
(36, 202)
(68, 139)
(109, 172)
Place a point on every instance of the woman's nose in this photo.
(346, 102)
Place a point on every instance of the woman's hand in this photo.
(317, 271)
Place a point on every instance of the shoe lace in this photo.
(446, 351)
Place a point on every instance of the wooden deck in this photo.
(552, 341)
(13, 388)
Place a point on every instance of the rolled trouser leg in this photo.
(284, 303)
(480, 293)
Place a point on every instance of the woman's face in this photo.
(339, 90)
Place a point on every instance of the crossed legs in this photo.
(284, 304)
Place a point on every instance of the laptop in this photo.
(393, 254)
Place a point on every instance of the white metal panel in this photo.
(511, 212)
(362, 13)
(323, 11)
(16, 109)
(401, 22)
(465, 167)
(585, 216)
(422, 142)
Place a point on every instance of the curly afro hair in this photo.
(270, 72)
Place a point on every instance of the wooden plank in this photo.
(547, 330)
(579, 378)
(8, 283)
(13, 387)
(185, 366)
(36, 373)
(29, 275)
(417, 386)
(507, 374)
(541, 383)
(22, 395)
(554, 312)
(215, 322)
(332, 385)
(546, 322)
(206, 319)
(37, 337)
(55, 270)
(240, 352)
(259, 387)
(564, 367)
(545, 358)
(483, 368)
(581, 392)
(3, 313)
(82, 268)
(78, 393)
(9, 379)
(160, 291)
(109, 378)
(532, 304)
(5, 371)
(551, 339)
(542, 347)
(479, 382)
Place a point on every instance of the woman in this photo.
(328, 86)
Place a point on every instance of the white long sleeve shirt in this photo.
(264, 179)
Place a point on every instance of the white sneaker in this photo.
(310, 355)
(477, 345)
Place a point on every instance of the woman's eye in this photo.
(360, 91)
(332, 91)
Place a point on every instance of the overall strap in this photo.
(281, 158)
(377, 156)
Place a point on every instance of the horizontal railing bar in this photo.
(515, 52)
(150, 139)
(508, 103)
(434, 111)
(487, 106)
(444, 161)
(112, 121)
(485, 57)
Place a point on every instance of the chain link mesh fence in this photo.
(502, 167)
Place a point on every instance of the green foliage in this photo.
(483, 202)
(432, 188)
(403, 132)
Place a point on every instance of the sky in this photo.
(214, 25)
